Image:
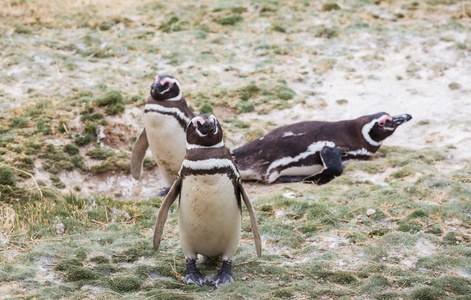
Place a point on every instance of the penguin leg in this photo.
(224, 274)
(193, 274)
(332, 160)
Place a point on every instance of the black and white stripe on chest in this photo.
(175, 112)
(209, 166)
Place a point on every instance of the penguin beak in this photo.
(398, 120)
(207, 127)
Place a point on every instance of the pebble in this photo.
(289, 195)
(370, 212)
(60, 228)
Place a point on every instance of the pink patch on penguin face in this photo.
(165, 80)
(383, 121)
(162, 81)
(198, 120)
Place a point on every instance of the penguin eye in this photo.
(382, 123)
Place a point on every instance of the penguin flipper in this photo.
(138, 154)
(253, 218)
(332, 159)
(163, 212)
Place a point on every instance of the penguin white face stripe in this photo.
(177, 97)
(163, 109)
(365, 131)
(312, 149)
(208, 164)
(192, 146)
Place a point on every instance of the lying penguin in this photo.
(166, 115)
(209, 213)
(313, 151)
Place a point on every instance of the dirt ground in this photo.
(423, 71)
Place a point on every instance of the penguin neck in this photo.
(193, 146)
(165, 102)
(196, 152)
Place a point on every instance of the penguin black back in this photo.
(295, 150)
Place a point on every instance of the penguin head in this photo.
(204, 130)
(379, 126)
(165, 87)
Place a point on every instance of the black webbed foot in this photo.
(163, 192)
(224, 275)
(193, 275)
(287, 179)
(321, 178)
(332, 161)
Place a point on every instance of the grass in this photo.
(75, 72)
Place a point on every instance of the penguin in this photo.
(210, 189)
(166, 115)
(314, 151)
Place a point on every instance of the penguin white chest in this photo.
(167, 141)
(209, 216)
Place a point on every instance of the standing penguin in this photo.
(166, 115)
(209, 213)
(314, 151)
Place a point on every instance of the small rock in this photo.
(388, 17)
(281, 284)
(243, 278)
(289, 195)
(60, 228)
(383, 258)
(100, 133)
(384, 184)
(370, 212)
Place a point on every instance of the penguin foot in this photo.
(286, 179)
(224, 275)
(193, 274)
(162, 192)
(319, 179)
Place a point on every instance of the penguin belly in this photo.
(167, 141)
(209, 218)
(295, 171)
(250, 174)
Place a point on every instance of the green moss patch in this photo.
(78, 273)
(125, 284)
(7, 176)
